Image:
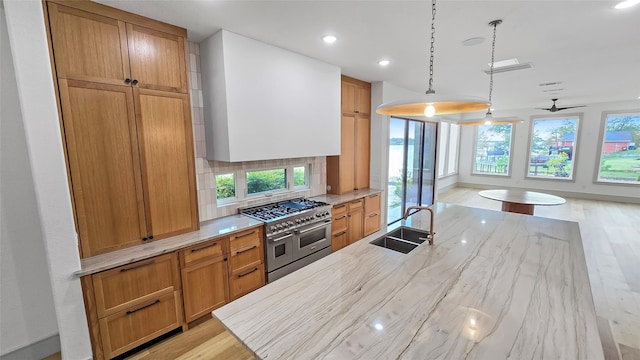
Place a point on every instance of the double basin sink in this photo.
(403, 239)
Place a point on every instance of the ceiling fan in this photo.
(554, 108)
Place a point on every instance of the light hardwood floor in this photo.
(611, 236)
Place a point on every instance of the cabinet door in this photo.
(371, 223)
(87, 46)
(347, 154)
(102, 148)
(205, 287)
(157, 59)
(362, 149)
(354, 227)
(348, 98)
(363, 100)
(166, 149)
(339, 240)
(246, 281)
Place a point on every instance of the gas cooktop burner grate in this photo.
(281, 209)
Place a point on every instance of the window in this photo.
(493, 149)
(299, 176)
(552, 147)
(411, 165)
(225, 186)
(442, 148)
(452, 154)
(619, 152)
(266, 180)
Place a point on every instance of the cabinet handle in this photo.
(339, 206)
(129, 312)
(372, 196)
(355, 201)
(243, 235)
(349, 215)
(134, 82)
(247, 273)
(245, 250)
(151, 237)
(204, 247)
(340, 233)
(127, 81)
(138, 266)
(145, 238)
(372, 215)
(341, 217)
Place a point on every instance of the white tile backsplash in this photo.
(206, 170)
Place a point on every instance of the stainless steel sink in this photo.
(402, 239)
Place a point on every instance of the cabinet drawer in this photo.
(246, 281)
(125, 286)
(355, 204)
(207, 250)
(244, 239)
(371, 223)
(250, 255)
(339, 240)
(339, 223)
(339, 209)
(127, 329)
(372, 204)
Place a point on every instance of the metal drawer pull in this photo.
(129, 312)
(204, 247)
(247, 234)
(372, 196)
(340, 233)
(341, 217)
(372, 215)
(339, 206)
(247, 273)
(355, 201)
(315, 227)
(245, 250)
(138, 266)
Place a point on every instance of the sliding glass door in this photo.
(411, 165)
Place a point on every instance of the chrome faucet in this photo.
(431, 213)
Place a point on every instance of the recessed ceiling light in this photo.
(383, 62)
(473, 41)
(503, 63)
(329, 39)
(626, 4)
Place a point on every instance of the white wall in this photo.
(586, 156)
(35, 91)
(26, 301)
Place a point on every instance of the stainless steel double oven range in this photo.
(298, 232)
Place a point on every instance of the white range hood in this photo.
(262, 102)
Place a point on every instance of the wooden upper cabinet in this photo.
(348, 98)
(102, 148)
(363, 100)
(88, 46)
(166, 150)
(157, 59)
(355, 96)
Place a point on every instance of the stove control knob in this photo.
(326, 213)
(279, 226)
(298, 221)
(272, 229)
(290, 223)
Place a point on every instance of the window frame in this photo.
(475, 150)
(457, 147)
(601, 138)
(577, 139)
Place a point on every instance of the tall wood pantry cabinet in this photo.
(126, 119)
(350, 170)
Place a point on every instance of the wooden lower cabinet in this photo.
(339, 240)
(246, 280)
(355, 230)
(127, 329)
(371, 223)
(205, 287)
(353, 220)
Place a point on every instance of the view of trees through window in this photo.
(552, 148)
(225, 186)
(620, 157)
(299, 178)
(493, 149)
(266, 180)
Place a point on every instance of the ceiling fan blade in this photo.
(548, 109)
(570, 107)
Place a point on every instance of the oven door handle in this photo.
(324, 223)
(280, 238)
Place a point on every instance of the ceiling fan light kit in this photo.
(432, 104)
(488, 119)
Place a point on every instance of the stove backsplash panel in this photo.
(206, 170)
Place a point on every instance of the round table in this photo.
(521, 202)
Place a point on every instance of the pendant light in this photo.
(432, 104)
(488, 119)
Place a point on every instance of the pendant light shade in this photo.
(432, 104)
(488, 119)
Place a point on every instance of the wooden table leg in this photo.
(517, 208)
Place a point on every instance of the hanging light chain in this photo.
(494, 23)
(432, 49)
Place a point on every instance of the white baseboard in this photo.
(38, 350)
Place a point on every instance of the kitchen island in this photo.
(494, 285)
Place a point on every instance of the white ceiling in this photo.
(592, 48)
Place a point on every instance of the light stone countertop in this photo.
(208, 230)
(339, 199)
(495, 285)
